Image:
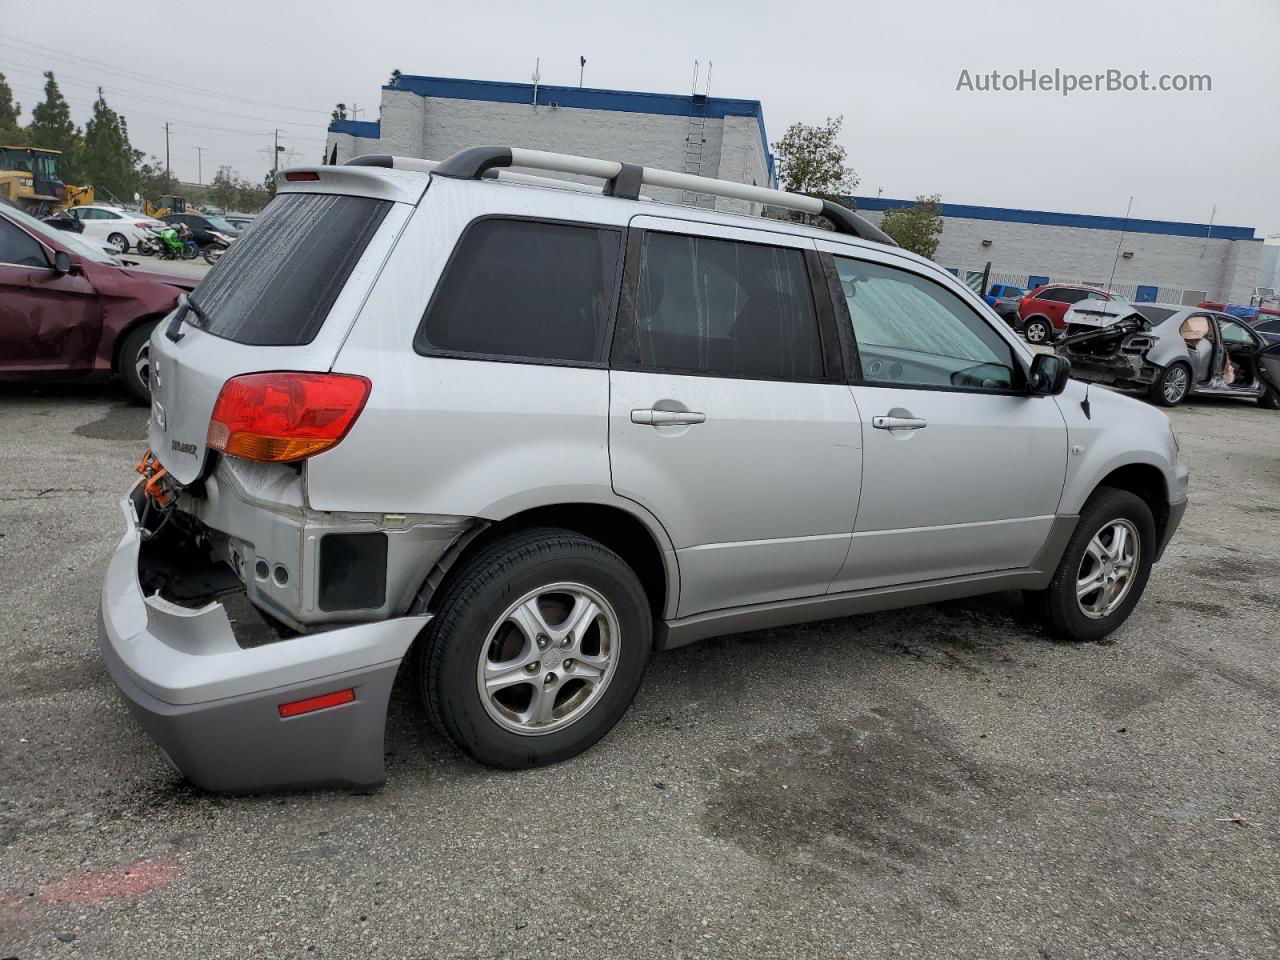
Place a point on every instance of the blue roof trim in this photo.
(369, 129)
(1174, 228)
(582, 98)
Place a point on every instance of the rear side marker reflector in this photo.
(302, 176)
(312, 704)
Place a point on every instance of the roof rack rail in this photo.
(625, 179)
(418, 165)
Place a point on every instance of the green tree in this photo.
(917, 228)
(10, 116)
(106, 158)
(811, 160)
(51, 127)
(224, 189)
(268, 187)
(339, 113)
(153, 181)
(395, 76)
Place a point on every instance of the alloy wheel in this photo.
(142, 363)
(1108, 569)
(548, 659)
(1036, 332)
(1175, 384)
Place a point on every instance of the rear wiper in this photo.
(185, 304)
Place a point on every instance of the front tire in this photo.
(537, 648)
(1172, 386)
(1269, 400)
(133, 362)
(1103, 571)
(1037, 331)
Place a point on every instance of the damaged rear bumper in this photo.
(213, 706)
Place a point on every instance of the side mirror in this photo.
(61, 262)
(1049, 375)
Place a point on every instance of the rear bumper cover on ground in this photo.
(213, 707)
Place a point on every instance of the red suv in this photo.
(70, 309)
(1041, 312)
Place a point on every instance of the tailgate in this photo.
(283, 297)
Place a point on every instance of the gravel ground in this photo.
(939, 782)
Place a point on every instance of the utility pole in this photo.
(582, 65)
(355, 111)
(166, 148)
(200, 165)
(275, 154)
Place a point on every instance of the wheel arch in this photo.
(123, 334)
(1147, 482)
(631, 533)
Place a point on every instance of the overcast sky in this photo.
(226, 75)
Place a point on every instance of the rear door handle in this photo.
(667, 418)
(899, 423)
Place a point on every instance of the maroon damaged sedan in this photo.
(69, 310)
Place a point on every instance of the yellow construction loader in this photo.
(31, 178)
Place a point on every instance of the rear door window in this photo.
(525, 290)
(276, 285)
(722, 308)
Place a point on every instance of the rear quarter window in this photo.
(275, 286)
(525, 290)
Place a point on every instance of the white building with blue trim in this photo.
(432, 117)
(1153, 260)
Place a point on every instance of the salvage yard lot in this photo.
(939, 782)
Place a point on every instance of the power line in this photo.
(169, 83)
(74, 79)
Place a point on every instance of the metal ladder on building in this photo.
(695, 142)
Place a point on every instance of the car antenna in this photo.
(1084, 404)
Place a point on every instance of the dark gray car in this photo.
(1172, 352)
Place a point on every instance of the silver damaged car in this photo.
(511, 436)
(1171, 352)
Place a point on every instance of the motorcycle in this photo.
(149, 245)
(176, 243)
(213, 251)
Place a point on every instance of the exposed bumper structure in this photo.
(213, 706)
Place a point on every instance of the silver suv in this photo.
(515, 434)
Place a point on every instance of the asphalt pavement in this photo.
(934, 783)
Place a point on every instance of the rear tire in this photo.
(552, 686)
(1172, 386)
(1037, 331)
(120, 242)
(1090, 616)
(1269, 400)
(133, 362)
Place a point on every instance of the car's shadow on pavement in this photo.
(980, 636)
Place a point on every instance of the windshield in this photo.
(1155, 314)
(218, 223)
(67, 239)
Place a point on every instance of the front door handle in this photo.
(667, 418)
(899, 423)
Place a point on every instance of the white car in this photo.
(114, 228)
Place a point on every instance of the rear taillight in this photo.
(284, 416)
(142, 226)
